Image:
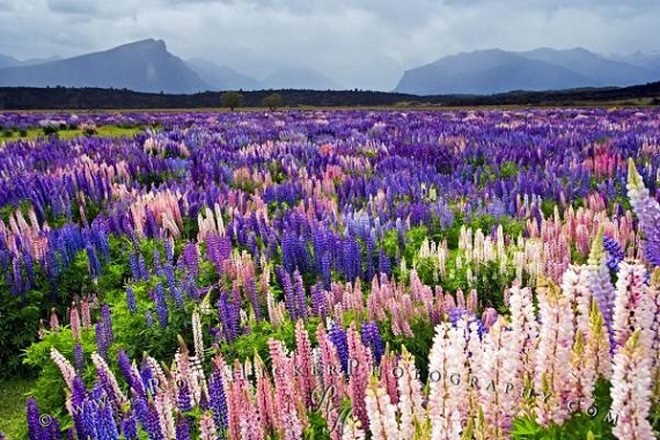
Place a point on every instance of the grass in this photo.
(12, 407)
(103, 131)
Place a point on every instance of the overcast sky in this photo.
(358, 43)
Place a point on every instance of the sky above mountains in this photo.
(360, 43)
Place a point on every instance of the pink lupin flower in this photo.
(381, 413)
(360, 365)
(553, 355)
(575, 287)
(54, 323)
(75, 322)
(498, 379)
(65, 367)
(654, 292)
(525, 329)
(287, 399)
(631, 391)
(472, 301)
(352, 430)
(582, 377)
(304, 374)
(447, 358)
(489, 317)
(86, 317)
(251, 428)
(234, 396)
(388, 378)
(598, 343)
(411, 397)
(460, 299)
(633, 306)
(207, 427)
(265, 396)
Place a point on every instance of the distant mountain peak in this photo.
(143, 65)
(495, 70)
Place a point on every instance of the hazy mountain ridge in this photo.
(497, 71)
(147, 66)
(144, 66)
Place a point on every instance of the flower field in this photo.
(333, 274)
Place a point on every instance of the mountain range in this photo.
(148, 66)
(496, 71)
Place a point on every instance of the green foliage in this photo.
(578, 427)
(273, 101)
(231, 100)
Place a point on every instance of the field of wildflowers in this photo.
(334, 275)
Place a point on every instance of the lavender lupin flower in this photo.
(130, 300)
(647, 210)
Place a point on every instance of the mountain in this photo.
(7, 61)
(496, 71)
(604, 72)
(144, 66)
(297, 77)
(649, 61)
(222, 77)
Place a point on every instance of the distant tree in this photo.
(273, 101)
(231, 100)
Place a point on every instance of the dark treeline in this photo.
(27, 98)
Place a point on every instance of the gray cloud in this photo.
(358, 43)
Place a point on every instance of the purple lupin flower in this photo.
(289, 295)
(615, 253)
(182, 427)
(34, 422)
(149, 318)
(190, 255)
(129, 426)
(79, 357)
(134, 265)
(647, 210)
(339, 339)
(78, 399)
(217, 397)
(107, 323)
(319, 306)
(371, 338)
(127, 370)
(161, 305)
(102, 344)
(130, 300)
(301, 301)
(142, 265)
(384, 264)
(106, 427)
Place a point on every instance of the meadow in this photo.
(469, 274)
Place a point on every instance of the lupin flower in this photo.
(599, 280)
(67, 370)
(648, 212)
(75, 322)
(631, 391)
(130, 300)
(446, 360)
(381, 413)
(553, 355)
(633, 306)
(410, 395)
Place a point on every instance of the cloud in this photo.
(357, 43)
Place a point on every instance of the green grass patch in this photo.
(111, 131)
(12, 407)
